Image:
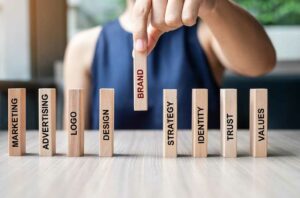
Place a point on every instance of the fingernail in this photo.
(140, 45)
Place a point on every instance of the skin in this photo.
(231, 38)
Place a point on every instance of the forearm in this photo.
(243, 41)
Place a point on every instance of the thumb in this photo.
(153, 36)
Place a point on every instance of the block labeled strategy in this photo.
(170, 123)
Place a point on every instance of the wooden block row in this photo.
(47, 122)
(228, 122)
(75, 122)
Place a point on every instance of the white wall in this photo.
(1, 38)
(286, 40)
(14, 19)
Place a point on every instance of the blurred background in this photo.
(34, 34)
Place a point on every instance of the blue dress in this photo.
(177, 62)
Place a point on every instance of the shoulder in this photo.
(81, 47)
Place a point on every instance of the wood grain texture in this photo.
(106, 122)
(228, 122)
(138, 169)
(47, 121)
(16, 122)
(140, 82)
(75, 122)
(258, 122)
(170, 123)
(199, 122)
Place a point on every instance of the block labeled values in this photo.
(199, 122)
(170, 123)
(106, 122)
(228, 119)
(16, 122)
(258, 122)
(75, 122)
(47, 122)
(140, 82)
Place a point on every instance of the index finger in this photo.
(140, 15)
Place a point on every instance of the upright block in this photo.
(228, 123)
(16, 122)
(140, 82)
(75, 122)
(47, 121)
(170, 123)
(258, 122)
(106, 122)
(199, 122)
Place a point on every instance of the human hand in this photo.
(166, 15)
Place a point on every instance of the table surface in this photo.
(138, 169)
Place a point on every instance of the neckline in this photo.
(121, 27)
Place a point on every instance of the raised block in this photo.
(47, 122)
(106, 122)
(258, 122)
(199, 122)
(75, 122)
(140, 82)
(16, 122)
(170, 123)
(228, 119)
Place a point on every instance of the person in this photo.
(190, 44)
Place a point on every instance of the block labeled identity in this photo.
(106, 122)
(140, 82)
(228, 119)
(199, 122)
(258, 122)
(16, 122)
(170, 123)
(75, 122)
(47, 122)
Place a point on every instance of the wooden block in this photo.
(228, 121)
(170, 123)
(106, 122)
(47, 121)
(75, 122)
(140, 82)
(258, 122)
(16, 122)
(199, 122)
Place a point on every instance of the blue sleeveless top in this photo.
(177, 62)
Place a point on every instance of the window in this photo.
(274, 12)
(83, 14)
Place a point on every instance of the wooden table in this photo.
(138, 170)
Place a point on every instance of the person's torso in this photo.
(177, 62)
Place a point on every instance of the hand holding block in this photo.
(228, 123)
(47, 121)
(16, 122)
(140, 81)
(75, 122)
(199, 122)
(106, 122)
(258, 122)
(170, 123)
